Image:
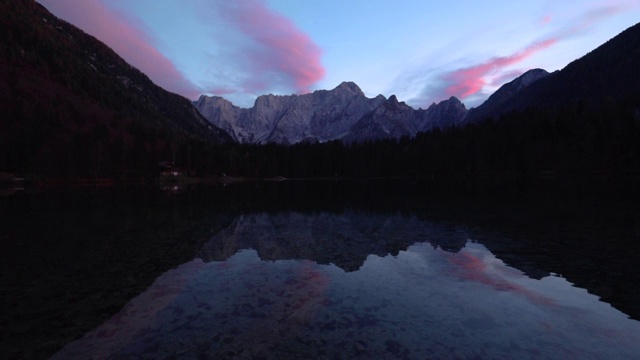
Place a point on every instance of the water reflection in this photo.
(72, 258)
(344, 239)
(356, 285)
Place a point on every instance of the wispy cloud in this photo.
(125, 38)
(473, 266)
(470, 82)
(466, 82)
(262, 50)
(506, 77)
(278, 54)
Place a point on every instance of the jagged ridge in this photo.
(343, 113)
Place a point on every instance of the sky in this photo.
(421, 51)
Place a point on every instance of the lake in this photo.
(369, 269)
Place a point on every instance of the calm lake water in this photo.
(328, 270)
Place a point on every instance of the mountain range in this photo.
(73, 108)
(343, 113)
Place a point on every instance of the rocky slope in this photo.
(320, 116)
(444, 114)
(343, 113)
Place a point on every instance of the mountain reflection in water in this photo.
(356, 285)
(73, 258)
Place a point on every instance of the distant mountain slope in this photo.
(394, 119)
(391, 119)
(444, 114)
(507, 92)
(319, 116)
(343, 113)
(71, 106)
(608, 72)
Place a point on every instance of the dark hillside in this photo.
(608, 75)
(71, 107)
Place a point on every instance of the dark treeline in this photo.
(135, 152)
(578, 139)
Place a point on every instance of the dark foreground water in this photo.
(329, 270)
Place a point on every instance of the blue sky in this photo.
(421, 51)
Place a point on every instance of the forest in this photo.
(582, 139)
(577, 139)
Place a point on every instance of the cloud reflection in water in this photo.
(422, 302)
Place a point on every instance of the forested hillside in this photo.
(71, 107)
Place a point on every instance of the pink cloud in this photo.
(601, 13)
(470, 267)
(131, 43)
(281, 52)
(506, 77)
(469, 81)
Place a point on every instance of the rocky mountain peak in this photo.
(393, 102)
(213, 100)
(530, 77)
(395, 105)
(451, 102)
(264, 100)
(454, 99)
(444, 114)
(455, 103)
(351, 87)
